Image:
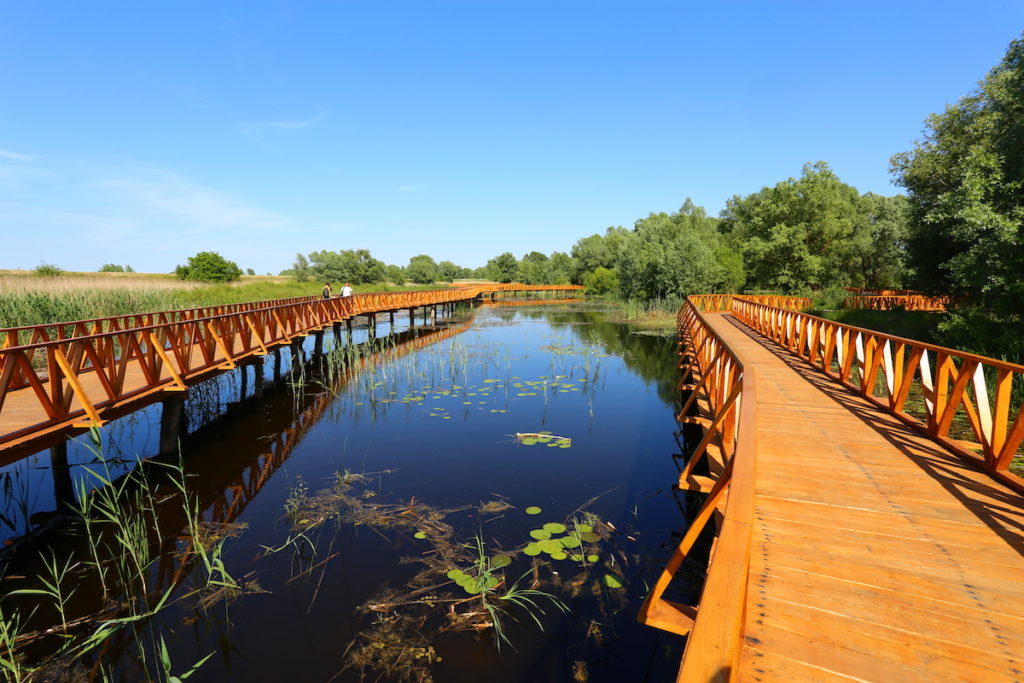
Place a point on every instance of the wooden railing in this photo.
(722, 388)
(170, 350)
(723, 302)
(906, 302)
(932, 388)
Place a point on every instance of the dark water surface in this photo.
(392, 468)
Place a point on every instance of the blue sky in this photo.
(143, 132)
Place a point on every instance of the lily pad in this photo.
(455, 574)
(420, 535)
(576, 558)
(540, 534)
(570, 542)
(528, 442)
(533, 510)
(590, 537)
(584, 528)
(554, 528)
(612, 581)
(592, 558)
(532, 549)
(499, 561)
(558, 556)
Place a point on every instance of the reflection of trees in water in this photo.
(650, 357)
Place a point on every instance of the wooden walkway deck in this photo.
(876, 554)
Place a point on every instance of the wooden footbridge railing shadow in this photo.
(867, 526)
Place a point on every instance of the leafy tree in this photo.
(128, 269)
(300, 269)
(965, 185)
(395, 275)
(423, 270)
(502, 268)
(450, 271)
(596, 251)
(209, 266)
(881, 248)
(349, 265)
(250, 271)
(601, 281)
(560, 268)
(111, 268)
(671, 255)
(800, 233)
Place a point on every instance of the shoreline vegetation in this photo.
(27, 298)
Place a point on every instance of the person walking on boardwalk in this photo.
(327, 290)
(346, 290)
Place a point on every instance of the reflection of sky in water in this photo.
(443, 422)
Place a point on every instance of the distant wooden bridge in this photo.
(62, 377)
(867, 526)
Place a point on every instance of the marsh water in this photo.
(487, 499)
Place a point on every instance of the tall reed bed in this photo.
(28, 299)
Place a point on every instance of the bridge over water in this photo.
(866, 523)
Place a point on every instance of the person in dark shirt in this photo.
(327, 290)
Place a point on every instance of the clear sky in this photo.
(143, 132)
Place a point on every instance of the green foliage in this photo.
(111, 268)
(601, 281)
(300, 269)
(815, 231)
(250, 271)
(449, 271)
(597, 251)
(395, 275)
(356, 266)
(209, 266)
(502, 268)
(48, 270)
(423, 270)
(965, 181)
(671, 255)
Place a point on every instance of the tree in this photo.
(111, 268)
(596, 251)
(450, 271)
(395, 275)
(601, 281)
(128, 269)
(800, 233)
(250, 271)
(965, 185)
(300, 269)
(671, 255)
(356, 266)
(423, 270)
(209, 266)
(502, 268)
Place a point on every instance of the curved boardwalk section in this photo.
(856, 539)
(876, 554)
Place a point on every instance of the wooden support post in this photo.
(412, 317)
(173, 423)
(296, 348)
(318, 343)
(337, 331)
(348, 328)
(63, 488)
(391, 314)
(257, 368)
(433, 315)
(277, 365)
(372, 326)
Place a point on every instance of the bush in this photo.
(601, 281)
(48, 270)
(111, 268)
(209, 266)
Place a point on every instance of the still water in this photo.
(485, 500)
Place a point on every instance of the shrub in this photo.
(209, 266)
(49, 270)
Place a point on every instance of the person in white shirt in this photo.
(346, 290)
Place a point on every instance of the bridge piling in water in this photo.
(173, 421)
(63, 488)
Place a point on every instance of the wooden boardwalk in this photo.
(875, 553)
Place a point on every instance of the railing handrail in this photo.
(903, 363)
(713, 647)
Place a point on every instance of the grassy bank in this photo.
(28, 299)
